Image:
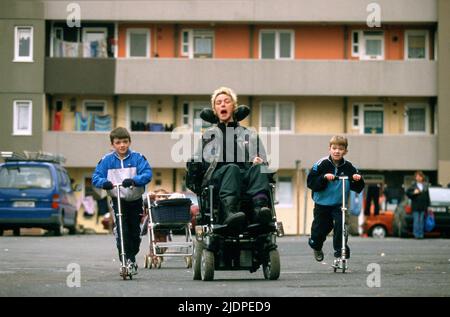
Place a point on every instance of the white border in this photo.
(16, 131)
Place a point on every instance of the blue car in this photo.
(36, 193)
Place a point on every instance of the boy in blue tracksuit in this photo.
(131, 169)
(327, 195)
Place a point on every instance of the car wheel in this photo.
(16, 232)
(59, 230)
(378, 232)
(73, 230)
(1, 232)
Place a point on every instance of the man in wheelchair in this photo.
(233, 161)
(237, 229)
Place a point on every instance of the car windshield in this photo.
(24, 177)
(439, 196)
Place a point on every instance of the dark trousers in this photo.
(327, 218)
(131, 220)
(231, 181)
(373, 194)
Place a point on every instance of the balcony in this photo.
(369, 152)
(79, 75)
(269, 11)
(277, 77)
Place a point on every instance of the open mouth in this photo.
(223, 111)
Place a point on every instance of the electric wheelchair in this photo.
(219, 247)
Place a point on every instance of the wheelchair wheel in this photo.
(271, 269)
(197, 260)
(207, 265)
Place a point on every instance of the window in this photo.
(197, 43)
(138, 43)
(94, 107)
(22, 117)
(285, 191)
(276, 44)
(277, 114)
(416, 44)
(57, 42)
(368, 45)
(138, 115)
(355, 117)
(94, 42)
(369, 117)
(23, 44)
(355, 43)
(196, 108)
(416, 120)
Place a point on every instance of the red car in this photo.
(379, 226)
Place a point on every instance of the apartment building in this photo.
(310, 68)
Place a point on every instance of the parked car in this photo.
(440, 206)
(36, 191)
(379, 226)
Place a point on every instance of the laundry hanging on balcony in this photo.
(102, 123)
(97, 48)
(82, 123)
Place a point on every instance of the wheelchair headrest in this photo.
(240, 114)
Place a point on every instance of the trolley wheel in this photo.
(124, 273)
(159, 261)
(271, 269)
(188, 260)
(146, 262)
(207, 265)
(197, 260)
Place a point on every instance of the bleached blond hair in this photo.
(224, 90)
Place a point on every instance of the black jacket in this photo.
(216, 151)
(329, 193)
(420, 201)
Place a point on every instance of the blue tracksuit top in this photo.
(328, 193)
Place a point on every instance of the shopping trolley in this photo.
(168, 215)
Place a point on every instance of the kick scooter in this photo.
(125, 270)
(341, 263)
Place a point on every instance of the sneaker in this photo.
(132, 267)
(318, 255)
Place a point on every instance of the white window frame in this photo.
(427, 46)
(365, 106)
(95, 29)
(277, 42)
(145, 103)
(17, 58)
(427, 118)
(147, 33)
(277, 115)
(358, 45)
(105, 105)
(28, 131)
(280, 204)
(193, 105)
(362, 45)
(436, 45)
(190, 43)
(358, 116)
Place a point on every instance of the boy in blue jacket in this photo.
(327, 195)
(131, 169)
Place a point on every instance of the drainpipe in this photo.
(305, 197)
(298, 171)
(345, 114)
